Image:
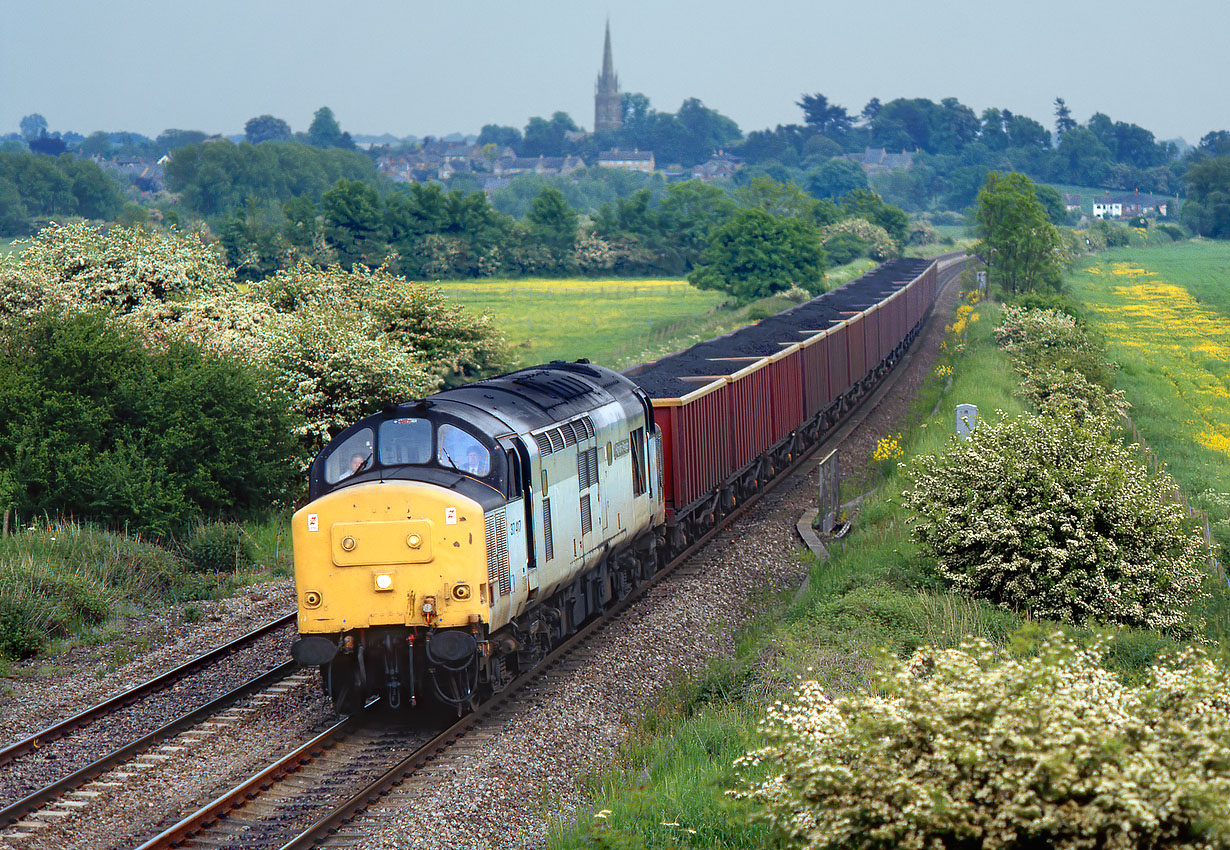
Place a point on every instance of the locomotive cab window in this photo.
(463, 452)
(514, 475)
(351, 457)
(405, 441)
(638, 462)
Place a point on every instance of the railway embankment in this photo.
(881, 595)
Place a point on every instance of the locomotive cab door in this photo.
(520, 514)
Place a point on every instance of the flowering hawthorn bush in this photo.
(1054, 516)
(86, 266)
(880, 245)
(1057, 391)
(974, 747)
(335, 373)
(1048, 340)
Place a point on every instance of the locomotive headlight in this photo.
(414, 541)
(461, 591)
(384, 581)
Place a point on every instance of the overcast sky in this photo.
(409, 67)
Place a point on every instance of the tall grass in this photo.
(60, 579)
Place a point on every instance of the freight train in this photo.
(450, 542)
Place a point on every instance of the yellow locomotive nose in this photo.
(372, 554)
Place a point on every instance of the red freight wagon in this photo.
(696, 442)
(914, 296)
(839, 369)
(857, 351)
(786, 390)
(814, 360)
(894, 309)
(750, 403)
(871, 336)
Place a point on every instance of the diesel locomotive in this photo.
(449, 542)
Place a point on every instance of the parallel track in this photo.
(238, 818)
(13, 812)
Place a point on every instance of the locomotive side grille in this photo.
(548, 543)
(497, 552)
(569, 434)
(587, 468)
(557, 439)
(582, 471)
(588, 425)
(544, 444)
(587, 521)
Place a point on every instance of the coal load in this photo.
(727, 354)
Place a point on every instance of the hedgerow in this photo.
(1055, 516)
(93, 424)
(980, 747)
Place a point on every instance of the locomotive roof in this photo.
(539, 397)
(661, 379)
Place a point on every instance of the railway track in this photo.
(283, 805)
(64, 764)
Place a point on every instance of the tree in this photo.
(755, 254)
(1052, 201)
(48, 145)
(546, 138)
(325, 132)
(301, 228)
(501, 137)
(33, 126)
(826, 118)
(553, 225)
(1082, 158)
(266, 128)
(1207, 210)
(836, 178)
(1063, 117)
(863, 203)
(1020, 245)
(774, 197)
(169, 140)
(688, 214)
(352, 225)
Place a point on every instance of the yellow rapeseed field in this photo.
(1189, 345)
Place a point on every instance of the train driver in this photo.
(463, 452)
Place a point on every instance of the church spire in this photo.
(608, 64)
(608, 105)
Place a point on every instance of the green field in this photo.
(604, 320)
(1165, 312)
(6, 246)
(617, 323)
